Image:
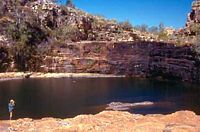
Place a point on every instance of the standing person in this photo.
(11, 106)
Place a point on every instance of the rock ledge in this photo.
(182, 121)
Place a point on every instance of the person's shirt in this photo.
(11, 107)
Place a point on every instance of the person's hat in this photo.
(12, 101)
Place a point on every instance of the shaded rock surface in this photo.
(135, 59)
(182, 121)
(138, 59)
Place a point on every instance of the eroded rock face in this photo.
(192, 19)
(138, 59)
(183, 121)
(194, 16)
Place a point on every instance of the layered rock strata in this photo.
(137, 59)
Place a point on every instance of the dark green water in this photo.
(67, 97)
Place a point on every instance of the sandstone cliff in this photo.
(138, 59)
(42, 37)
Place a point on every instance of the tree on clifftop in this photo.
(69, 3)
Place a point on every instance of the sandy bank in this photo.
(109, 121)
(21, 75)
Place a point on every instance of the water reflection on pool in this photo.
(68, 97)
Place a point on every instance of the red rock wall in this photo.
(139, 59)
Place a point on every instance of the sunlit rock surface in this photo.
(194, 15)
(119, 106)
(109, 121)
(192, 19)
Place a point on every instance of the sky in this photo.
(173, 13)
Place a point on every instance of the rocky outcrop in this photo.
(183, 121)
(193, 18)
(73, 23)
(194, 15)
(138, 59)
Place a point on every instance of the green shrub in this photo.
(126, 26)
(195, 29)
(196, 46)
(66, 33)
(27, 38)
(163, 35)
(27, 57)
(5, 59)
